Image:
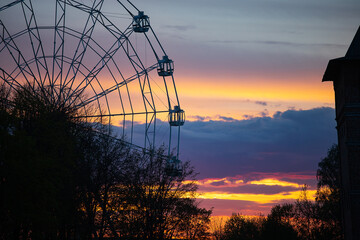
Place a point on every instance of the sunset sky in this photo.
(248, 74)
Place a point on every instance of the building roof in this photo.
(354, 49)
(352, 54)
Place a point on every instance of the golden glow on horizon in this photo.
(275, 182)
(229, 182)
(218, 188)
(238, 99)
(258, 198)
(257, 89)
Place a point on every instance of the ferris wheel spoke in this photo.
(134, 60)
(98, 67)
(35, 40)
(90, 86)
(104, 76)
(18, 57)
(129, 48)
(117, 86)
(12, 82)
(58, 48)
(83, 43)
(14, 36)
(121, 114)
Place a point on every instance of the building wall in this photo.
(347, 101)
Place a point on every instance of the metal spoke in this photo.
(59, 45)
(83, 43)
(36, 45)
(18, 57)
(119, 85)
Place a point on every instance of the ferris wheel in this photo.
(105, 51)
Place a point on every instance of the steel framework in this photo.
(106, 51)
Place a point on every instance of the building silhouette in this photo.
(344, 72)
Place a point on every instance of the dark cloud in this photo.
(297, 177)
(261, 103)
(264, 113)
(219, 183)
(227, 119)
(290, 141)
(200, 118)
(247, 116)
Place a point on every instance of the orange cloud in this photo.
(275, 182)
(258, 198)
(221, 188)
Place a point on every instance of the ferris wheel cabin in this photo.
(176, 117)
(166, 67)
(173, 167)
(141, 23)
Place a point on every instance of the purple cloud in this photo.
(290, 141)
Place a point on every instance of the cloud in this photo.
(263, 183)
(247, 116)
(220, 183)
(264, 113)
(281, 43)
(275, 182)
(200, 118)
(261, 103)
(289, 141)
(180, 27)
(226, 119)
(258, 198)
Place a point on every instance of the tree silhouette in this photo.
(328, 194)
(64, 178)
(278, 224)
(38, 143)
(238, 227)
(155, 205)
